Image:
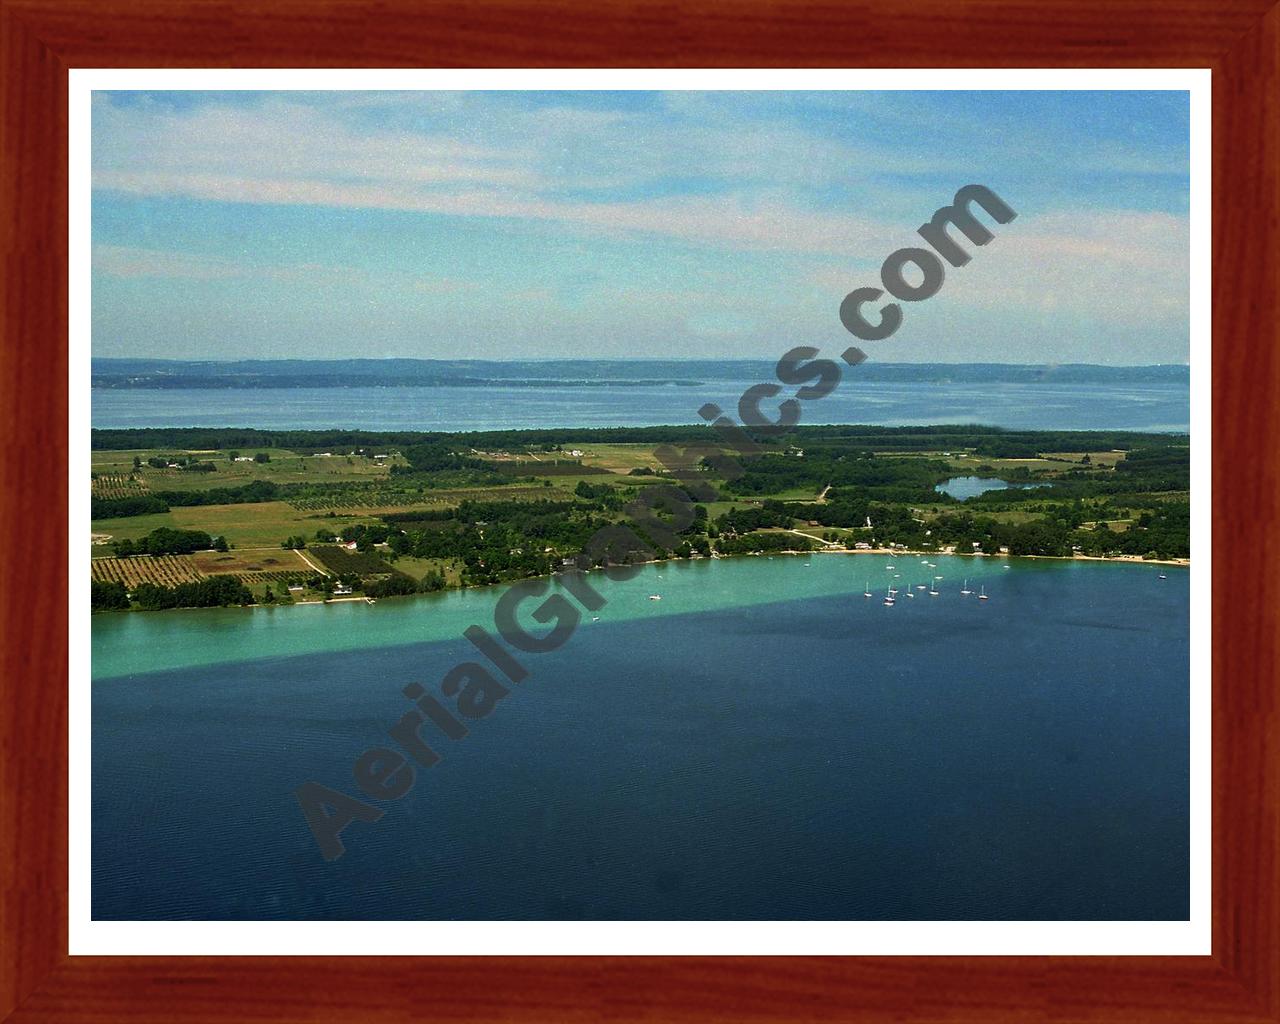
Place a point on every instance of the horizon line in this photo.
(590, 359)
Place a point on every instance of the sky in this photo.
(518, 225)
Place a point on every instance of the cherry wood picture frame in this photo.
(41, 39)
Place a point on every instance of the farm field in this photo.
(1108, 459)
(341, 562)
(272, 568)
(117, 485)
(619, 457)
(1005, 515)
(264, 524)
(285, 467)
(258, 524)
(251, 560)
(127, 529)
(162, 570)
(357, 498)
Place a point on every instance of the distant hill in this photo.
(339, 373)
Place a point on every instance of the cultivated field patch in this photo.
(162, 570)
(117, 485)
(250, 560)
(341, 562)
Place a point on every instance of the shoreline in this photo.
(1183, 563)
(1128, 559)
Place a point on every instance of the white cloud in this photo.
(126, 261)
(1112, 267)
(826, 208)
(558, 165)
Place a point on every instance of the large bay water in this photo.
(1147, 406)
(762, 743)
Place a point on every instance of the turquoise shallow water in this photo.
(127, 644)
(763, 743)
(145, 641)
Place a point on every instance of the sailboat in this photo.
(888, 598)
(933, 592)
(966, 591)
(867, 592)
(910, 592)
(983, 595)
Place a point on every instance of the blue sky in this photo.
(631, 224)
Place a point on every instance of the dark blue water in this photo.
(825, 758)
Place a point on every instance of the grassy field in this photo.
(371, 498)
(1013, 515)
(615, 458)
(262, 524)
(285, 467)
(128, 529)
(1096, 459)
(715, 509)
(1054, 462)
(419, 567)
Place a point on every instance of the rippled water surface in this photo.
(763, 743)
